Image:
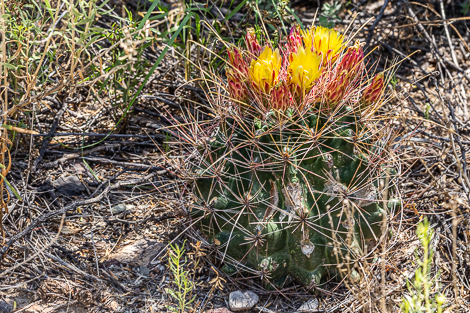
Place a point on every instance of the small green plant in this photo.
(328, 12)
(465, 7)
(183, 285)
(419, 300)
(426, 111)
(166, 143)
(394, 81)
(127, 65)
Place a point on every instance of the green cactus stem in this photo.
(291, 196)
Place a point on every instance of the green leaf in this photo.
(147, 15)
(85, 20)
(91, 170)
(16, 193)
(296, 17)
(8, 66)
(157, 17)
(237, 8)
(48, 4)
(198, 25)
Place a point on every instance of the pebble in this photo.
(69, 186)
(5, 307)
(121, 207)
(309, 306)
(241, 301)
(219, 310)
(144, 270)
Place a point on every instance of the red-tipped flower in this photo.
(373, 92)
(294, 40)
(236, 88)
(252, 44)
(281, 98)
(312, 65)
(352, 61)
(238, 63)
(337, 88)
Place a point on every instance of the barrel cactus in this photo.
(292, 173)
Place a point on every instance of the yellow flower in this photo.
(264, 71)
(304, 68)
(324, 41)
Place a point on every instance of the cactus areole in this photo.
(292, 173)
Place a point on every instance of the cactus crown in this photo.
(313, 67)
(290, 178)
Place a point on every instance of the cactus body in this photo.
(292, 192)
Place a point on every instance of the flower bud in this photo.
(352, 61)
(236, 88)
(237, 62)
(252, 44)
(281, 99)
(294, 40)
(373, 92)
(337, 88)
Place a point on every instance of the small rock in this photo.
(138, 253)
(144, 270)
(309, 306)
(69, 186)
(46, 186)
(78, 167)
(121, 207)
(219, 310)
(5, 307)
(240, 301)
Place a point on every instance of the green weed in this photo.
(394, 81)
(329, 13)
(465, 7)
(182, 283)
(419, 299)
(166, 143)
(426, 111)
